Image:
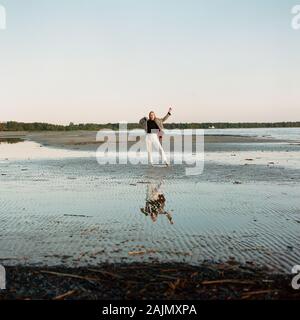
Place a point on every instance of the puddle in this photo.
(28, 150)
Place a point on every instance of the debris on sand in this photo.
(237, 182)
(76, 215)
(65, 295)
(179, 281)
(141, 252)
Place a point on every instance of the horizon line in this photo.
(188, 122)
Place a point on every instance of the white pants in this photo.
(152, 139)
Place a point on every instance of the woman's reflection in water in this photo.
(155, 203)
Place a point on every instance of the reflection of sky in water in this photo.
(283, 159)
(32, 150)
(91, 214)
(62, 203)
(275, 133)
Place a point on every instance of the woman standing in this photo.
(154, 129)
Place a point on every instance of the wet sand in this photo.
(86, 140)
(65, 213)
(73, 212)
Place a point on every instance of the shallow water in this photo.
(274, 133)
(291, 134)
(29, 150)
(61, 207)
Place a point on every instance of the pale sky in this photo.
(112, 60)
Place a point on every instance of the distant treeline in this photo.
(37, 126)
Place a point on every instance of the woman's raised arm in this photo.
(165, 118)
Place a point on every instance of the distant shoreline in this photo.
(39, 126)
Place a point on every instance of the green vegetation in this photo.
(37, 126)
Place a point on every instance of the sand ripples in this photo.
(74, 212)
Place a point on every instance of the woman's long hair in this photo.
(151, 113)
